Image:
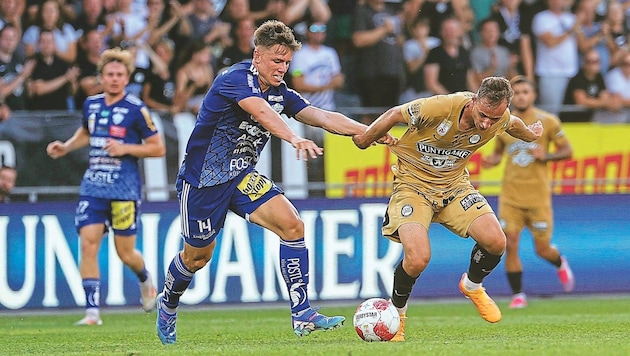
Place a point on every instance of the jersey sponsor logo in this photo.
(121, 110)
(406, 210)
(472, 199)
(428, 149)
(94, 106)
(278, 98)
(117, 131)
(101, 177)
(253, 130)
(123, 215)
(254, 185)
(239, 164)
(98, 141)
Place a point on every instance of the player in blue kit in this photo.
(119, 130)
(238, 115)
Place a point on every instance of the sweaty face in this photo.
(272, 64)
(485, 115)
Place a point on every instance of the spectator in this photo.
(489, 59)
(377, 36)
(295, 11)
(5, 111)
(92, 46)
(588, 90)
(592, 35)
(204, 23)
(92, 16)
(236, 10)
(437, 11)
(316, 69)
(618, 83)
(11, 12)
(162, 23)
(556, 52)
(291, 12)
(448, 68)
(8, 177)
(516, 35)
(14, 70)
(194, 76)
(614, 27)
(243, 46)
(415, 52)
(129, 29)
(49, 18)
(53, 81)
(159, 87)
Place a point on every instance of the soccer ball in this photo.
(376, 319)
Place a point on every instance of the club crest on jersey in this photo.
(474, 138)
(443, 128)
(117, 118)
(406, 210)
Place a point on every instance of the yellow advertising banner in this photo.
(600, 164)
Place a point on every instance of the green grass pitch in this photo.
(573, 325)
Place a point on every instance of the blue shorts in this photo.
(119, 215)
(203, 210)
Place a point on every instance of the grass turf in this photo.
(558, 326)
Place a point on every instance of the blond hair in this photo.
(116, 55)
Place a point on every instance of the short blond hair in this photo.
(117, 55)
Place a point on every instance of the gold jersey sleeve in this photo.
(433, 152)
(526, 180)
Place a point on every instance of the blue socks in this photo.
(92, 288)
(176, 282)
(294, 267)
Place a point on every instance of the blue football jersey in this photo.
(127, 121)
(226, 140)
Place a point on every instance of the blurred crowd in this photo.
(363, 53)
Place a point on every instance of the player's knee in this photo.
(292, 229)
(195, 262)
(416, 265)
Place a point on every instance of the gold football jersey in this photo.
(526, 180)
(433, 153)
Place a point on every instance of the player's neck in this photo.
(112, 98)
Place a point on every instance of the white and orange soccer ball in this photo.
(376, 319)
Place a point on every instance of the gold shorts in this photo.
(539, 220)
(455, 210)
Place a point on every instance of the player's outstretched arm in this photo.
(527, 133)
(272, 122)
(56, 149)
(378, 130)
(337, 123)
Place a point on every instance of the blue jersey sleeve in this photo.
(294, 102)
(239, 85)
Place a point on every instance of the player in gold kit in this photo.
(525, 198)
(432, 184)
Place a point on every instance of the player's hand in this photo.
(490, 161)
(536, 128)
(360, 142)
(387, 139)
(538, 153)
(56, 149)
(306, 148)
(115, 148)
